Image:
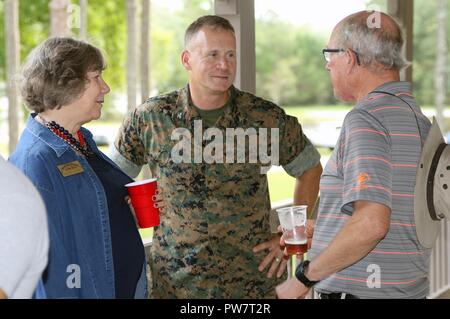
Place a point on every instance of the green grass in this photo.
(146, 232)
(309, 115)
(305, 109)
(281, 186)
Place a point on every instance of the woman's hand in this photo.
(158, 198)
(158, 203)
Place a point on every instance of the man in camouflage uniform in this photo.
(211, 240)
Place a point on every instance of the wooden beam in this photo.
(83, 19)
(59, 18)
(131, 53)
(145, 50)
(241, 14)
(12, 37)
(403, 10)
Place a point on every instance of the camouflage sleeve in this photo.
(129, 141)
(297, 154)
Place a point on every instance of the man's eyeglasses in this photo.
(327, 54)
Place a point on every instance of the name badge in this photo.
(71, 168)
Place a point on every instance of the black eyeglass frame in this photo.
(340, 50)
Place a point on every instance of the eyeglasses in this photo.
(327, 54)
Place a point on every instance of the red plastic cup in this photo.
(141, 195)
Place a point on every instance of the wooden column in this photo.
(241, 14)
(403, 10)
(145, 50)
(59, 18)
(83, 19)
(131, 53)
(12, 37)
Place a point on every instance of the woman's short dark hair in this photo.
(55, 72)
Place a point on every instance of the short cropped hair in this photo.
(382, 45)
(55, 72)
(211, 21)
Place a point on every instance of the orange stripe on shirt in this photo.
(402, 195)
(364, 186)
(382, 133)
(367, 131)
(333, 188)
(404, 135)
(402, 224)
(387, 108)
(368, 158)
(395, 108)
(382, 282)
(376, 97)
(336, 216)
(404, 165)
(378, 252)
(372, 158)
(405, 93)
(333, 216)
(379, 96)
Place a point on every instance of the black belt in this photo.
(336, 295)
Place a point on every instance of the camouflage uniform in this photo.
(216, 213)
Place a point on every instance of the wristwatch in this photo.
(300, 274)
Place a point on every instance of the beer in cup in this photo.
(293, 223)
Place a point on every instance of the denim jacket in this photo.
(80, 257)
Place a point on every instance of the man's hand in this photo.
(291, 289)
(274, 257)
(159, 203)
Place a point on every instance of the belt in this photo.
(336, 295)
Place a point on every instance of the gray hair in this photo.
(212, 21)
(380, 45)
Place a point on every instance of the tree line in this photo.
(290, 67)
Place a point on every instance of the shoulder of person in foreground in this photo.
(23, 231)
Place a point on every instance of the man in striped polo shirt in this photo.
(365, 244)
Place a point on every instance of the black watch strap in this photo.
(300, 274)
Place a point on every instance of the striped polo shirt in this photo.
(375, 159)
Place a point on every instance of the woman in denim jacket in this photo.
(95, 248)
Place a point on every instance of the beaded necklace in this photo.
(81, 146)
